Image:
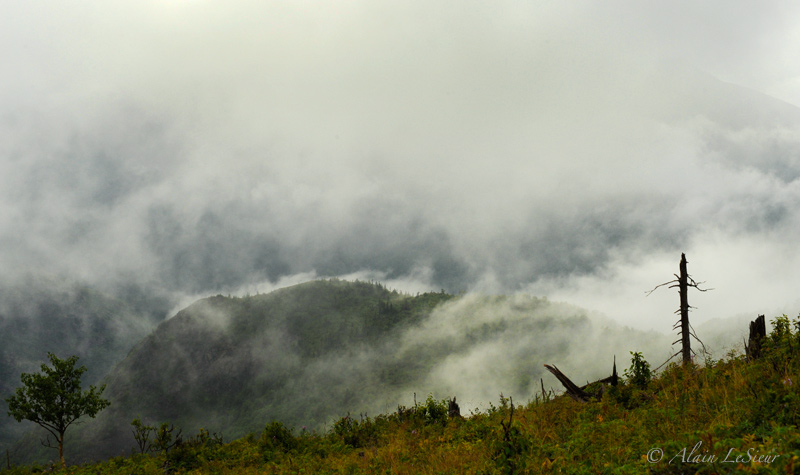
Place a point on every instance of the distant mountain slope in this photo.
(310, 353)
(249, 350)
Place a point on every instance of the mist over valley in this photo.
(199, 199)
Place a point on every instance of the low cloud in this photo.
(213, 149)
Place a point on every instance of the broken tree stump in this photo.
(758, 331)
(453, 411)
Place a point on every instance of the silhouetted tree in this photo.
(54, 399)
(683, 282)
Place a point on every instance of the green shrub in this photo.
(165, 440)
(194, 452)
(356, 433)
(510, 445)
(277, 438)
(433, 411)
(639, 373)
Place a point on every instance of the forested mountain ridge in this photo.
(223, 347)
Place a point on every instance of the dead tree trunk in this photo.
(683, 290)
(683, 282)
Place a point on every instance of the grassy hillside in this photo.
(729, 416)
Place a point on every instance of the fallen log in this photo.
(588, 391)
(573, 390)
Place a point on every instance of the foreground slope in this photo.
(730, 416)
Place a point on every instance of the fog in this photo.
(491, 346)
(572, 151)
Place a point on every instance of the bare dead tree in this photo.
(683, 282)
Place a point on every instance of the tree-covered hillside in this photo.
(251, 353)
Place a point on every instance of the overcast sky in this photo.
(566, 149)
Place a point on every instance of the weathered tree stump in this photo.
(758, 331)
(453, 411)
